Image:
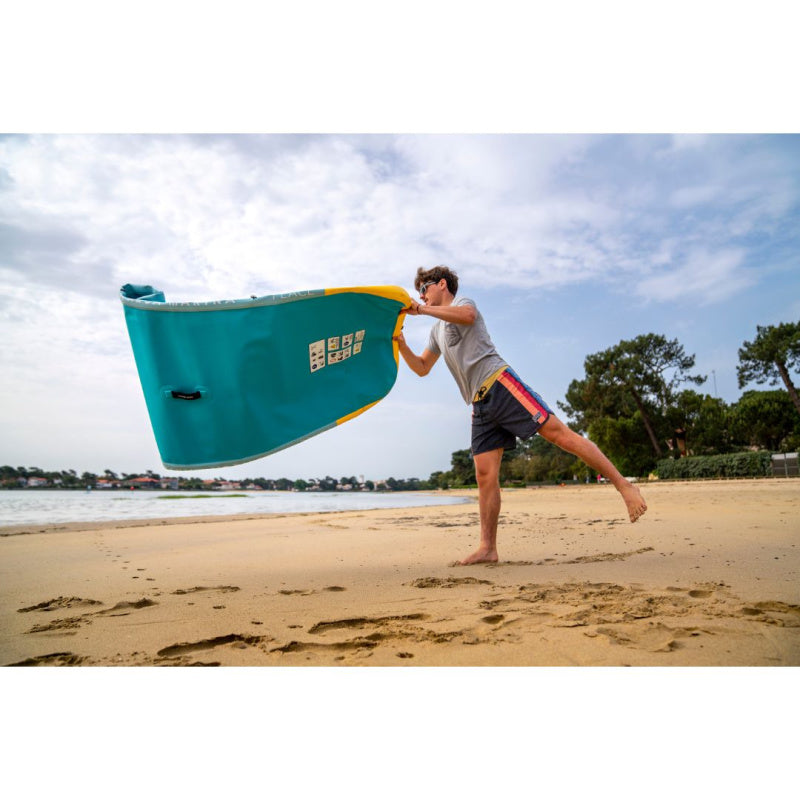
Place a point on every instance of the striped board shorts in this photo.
(509, 410)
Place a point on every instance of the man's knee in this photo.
(487, 467)
(486, 476)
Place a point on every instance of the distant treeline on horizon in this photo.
(36, 478)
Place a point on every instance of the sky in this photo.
(567, 243)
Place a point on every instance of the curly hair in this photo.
(436, 274)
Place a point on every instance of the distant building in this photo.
(36, 482)
(142, 483)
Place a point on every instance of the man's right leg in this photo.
(555, 431)
(487, 472)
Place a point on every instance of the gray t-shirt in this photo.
(468, 351)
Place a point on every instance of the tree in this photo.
(766, 420)
(704, 422)
(439, 480)
(69, 478)
(328, 484)
(637, 375)
(463, 468)
(624, 440)
(536, 461)
(770, 356)
(88, 478)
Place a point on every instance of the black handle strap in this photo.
(186, 395)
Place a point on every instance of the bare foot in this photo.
(633, 500)
(483, 555)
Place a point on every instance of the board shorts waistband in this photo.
(488, 383)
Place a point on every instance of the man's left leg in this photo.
(487, 472)
(555, 431)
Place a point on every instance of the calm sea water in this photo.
(45, 506)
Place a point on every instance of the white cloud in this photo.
(213, 217)
(688, 196)
(703, 278)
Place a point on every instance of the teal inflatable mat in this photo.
(231, 381)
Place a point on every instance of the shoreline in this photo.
(709, 577)
(31, 528)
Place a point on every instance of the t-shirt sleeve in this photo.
(465, 301)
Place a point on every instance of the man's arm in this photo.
(420, 364)
(460, 315)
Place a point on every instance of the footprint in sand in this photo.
(73, 623)
(361, 622)
(66, 624)
(184, 648)
(60, 602)
(608, 556)
(51, 660)
(125, 607)
(751, 612)
(302, 647)
(446, 583)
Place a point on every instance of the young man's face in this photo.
(431, 292)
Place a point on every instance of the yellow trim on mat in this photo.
(356, 413)
(389, 292)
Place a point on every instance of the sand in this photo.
(709, 577)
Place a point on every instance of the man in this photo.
(503, 407)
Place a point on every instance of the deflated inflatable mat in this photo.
(231, 381)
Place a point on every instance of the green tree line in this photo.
(16, 477)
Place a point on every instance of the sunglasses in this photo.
(424, 287)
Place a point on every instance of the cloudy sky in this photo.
(568, 243)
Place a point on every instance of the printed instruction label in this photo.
(334, 349)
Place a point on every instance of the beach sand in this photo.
(709, 577)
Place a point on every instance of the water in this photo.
(48, 506)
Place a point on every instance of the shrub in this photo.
(729, 465)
